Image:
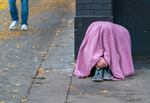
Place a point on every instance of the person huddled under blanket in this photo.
(107, 47)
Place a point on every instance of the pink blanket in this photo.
(108, 40)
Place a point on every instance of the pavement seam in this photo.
(50, 45)
(70, 83)
(42, 61)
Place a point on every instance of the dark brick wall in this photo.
(88, 11)
(94, 7)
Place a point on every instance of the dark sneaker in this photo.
(98, 77)
(107, 74)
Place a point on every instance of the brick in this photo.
(93, 1)
(94, 13)
(94, 6)
(107, 6)
(80, 7)
(98, 6)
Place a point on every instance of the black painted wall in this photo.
(88, 11)
(135, 16)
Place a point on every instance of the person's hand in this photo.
(101, 63)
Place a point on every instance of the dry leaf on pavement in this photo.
(41, 72)
(18, 84)
(24, 100)
(2, 101)
(104, 91)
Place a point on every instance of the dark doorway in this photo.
(135, 16)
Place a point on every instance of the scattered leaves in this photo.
(12, 66)
(18, 84)
(46, 71)
(19, 45)
(24, 100)
(46, 5)
(35, 46)
(104, 91)
(70, 21)
(42, 53)
(2, 101)
(15, 91)
(62, 59)
(6, 69)
(14, 96)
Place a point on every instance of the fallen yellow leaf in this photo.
(40, 72)
(104, 91)
(2, 101)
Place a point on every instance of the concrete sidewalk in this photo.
(49, 44)
(58, 66)
(44, 45)
(132, 90)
